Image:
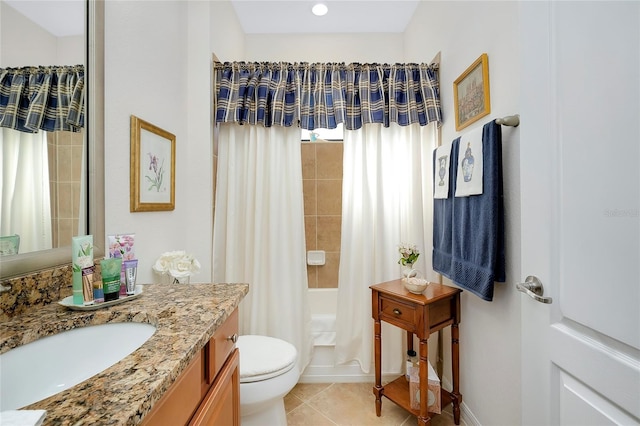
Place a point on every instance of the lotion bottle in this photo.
(110, 269)
(410, 363)
(81, 258)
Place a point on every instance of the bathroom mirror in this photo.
(14, 265)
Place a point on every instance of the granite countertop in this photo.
(185, 317)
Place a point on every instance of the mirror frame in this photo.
(23, 264)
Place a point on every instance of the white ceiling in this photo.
(65, 17)
(344, 16)
(60, 17)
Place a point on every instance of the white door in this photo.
(580, 186)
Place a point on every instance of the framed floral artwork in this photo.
(471, 93)
(153, 165)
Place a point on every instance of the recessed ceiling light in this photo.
(320, 9)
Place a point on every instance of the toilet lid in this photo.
(263, 357)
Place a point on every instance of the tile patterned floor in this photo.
(330, 404)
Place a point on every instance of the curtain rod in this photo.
(510, 120)
(217, 64)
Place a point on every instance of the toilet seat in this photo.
(263, 357)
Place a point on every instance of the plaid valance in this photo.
(42, 98)
(323, 95)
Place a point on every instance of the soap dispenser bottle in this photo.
(410, 363)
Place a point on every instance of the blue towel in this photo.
(468, 232)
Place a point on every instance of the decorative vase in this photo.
(181, 280)
(467, 164)
(408, 271)
(443, 169)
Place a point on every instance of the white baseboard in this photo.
(466, 414)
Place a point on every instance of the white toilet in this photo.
(268, 371)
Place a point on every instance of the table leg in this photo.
(456, 398)
(423, 418)
(377, 389)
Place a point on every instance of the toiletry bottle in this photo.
(87, 285)
(110, 269)
(131, 268)
(76, 277)
(98, 291)
(123, 283)
(81, 257)
(410, 363)
(122, 245)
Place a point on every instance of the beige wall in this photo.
(347, 47)
(155, 38)
(490, 351)
(322, 188)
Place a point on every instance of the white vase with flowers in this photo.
(409, 254)
(178, 266)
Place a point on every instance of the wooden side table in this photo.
(420, 314)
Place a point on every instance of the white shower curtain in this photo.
(386, 201)
(25, 205)
(259, 230)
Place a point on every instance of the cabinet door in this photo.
(181, 400)
(221, 345)
(221, 406)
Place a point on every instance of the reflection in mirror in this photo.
(69, 177)
(43, 186)
(43, 190)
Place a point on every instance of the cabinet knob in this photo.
(233, 338)
(397, 311)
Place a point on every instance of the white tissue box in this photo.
(433, 387)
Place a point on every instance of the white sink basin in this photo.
(55, 363)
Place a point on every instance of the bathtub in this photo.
(322, 303)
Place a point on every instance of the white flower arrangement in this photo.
(178, 264)
(409, 253)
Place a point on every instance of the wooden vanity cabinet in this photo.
(221, 405)
(208, 390)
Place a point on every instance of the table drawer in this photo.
(399, 313)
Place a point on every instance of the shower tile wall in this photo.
(65, 168)
(322, 188)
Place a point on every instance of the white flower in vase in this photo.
(409, 254)
(179, 265)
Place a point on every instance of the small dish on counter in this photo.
(415, 285)
(67, 302)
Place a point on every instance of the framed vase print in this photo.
(471, 93)
(153, 165)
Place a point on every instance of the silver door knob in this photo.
(532, 287)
